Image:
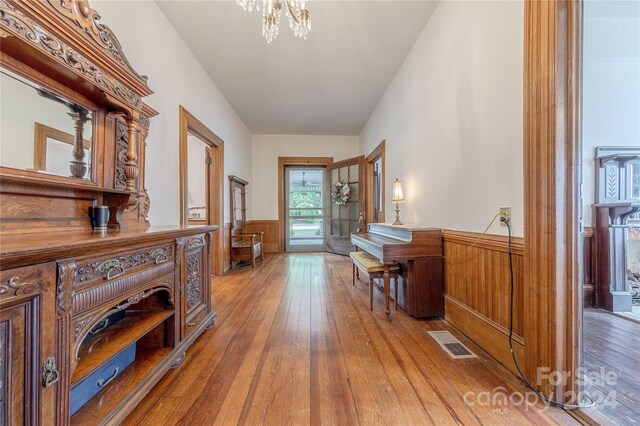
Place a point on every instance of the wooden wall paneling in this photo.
(477, 290)
(226, 235)
(188, 123)
(552, 296)
(271, 237)
(292, 161)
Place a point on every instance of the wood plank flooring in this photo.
(295, 344)
(613, 343)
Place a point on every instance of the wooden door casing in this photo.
(189, 124)
(371, 215)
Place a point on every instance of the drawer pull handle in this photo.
(111, 269)
(50, 374)
(159, 256)
(102, 383)
(101, 326)
(115, 272)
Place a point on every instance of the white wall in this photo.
(452, 119)
(611, 84)
(154, 48)
(263, 186)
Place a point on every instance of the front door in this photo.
(304, 209)
(347, 198)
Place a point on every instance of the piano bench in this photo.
(375, 269)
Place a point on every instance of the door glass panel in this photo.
(306, 231)
(355, 193)
(335, 228)
(344, 227)
(304, 209)
(353, 210)
(353, 173)
(334, 176)
(344, 212)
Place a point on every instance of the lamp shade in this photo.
(398, 194)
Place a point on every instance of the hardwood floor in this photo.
(613, 343)
(296, 344)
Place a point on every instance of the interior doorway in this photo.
(198, 171)
(611, 209)
(305, 211)
(201, 181)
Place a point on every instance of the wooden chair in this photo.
(245, 246)
(370, 265)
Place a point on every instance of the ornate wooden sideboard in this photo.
(615, 205)
(56, 289)
(61, 283)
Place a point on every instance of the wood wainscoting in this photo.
(271, 237)
(477, 290)
(226, 236)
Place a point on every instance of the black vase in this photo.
(99, 216)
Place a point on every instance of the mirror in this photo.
(237, 203)
(237, 193)
(42, 130)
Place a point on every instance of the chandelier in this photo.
(298, 15)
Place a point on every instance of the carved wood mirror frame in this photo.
(236, 183)
(189, 124)
(62, 46)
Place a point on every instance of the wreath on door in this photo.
(340, 193)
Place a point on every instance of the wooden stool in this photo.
(375, 269)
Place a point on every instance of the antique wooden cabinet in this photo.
(27, 301)
(74, 300)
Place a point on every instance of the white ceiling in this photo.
(327, 84)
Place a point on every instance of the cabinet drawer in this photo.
(25, 282)
(95, 382)
(109, 267)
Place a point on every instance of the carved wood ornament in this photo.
(74, 42)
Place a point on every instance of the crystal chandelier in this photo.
(298, 15)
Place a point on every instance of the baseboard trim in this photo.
(486, 333)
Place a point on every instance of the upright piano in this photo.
(418, 250)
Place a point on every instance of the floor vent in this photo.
(451, 345)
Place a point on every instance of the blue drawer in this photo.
(95, 382)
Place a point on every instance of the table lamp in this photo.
(398, 197)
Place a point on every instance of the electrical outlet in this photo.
(505, 212)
